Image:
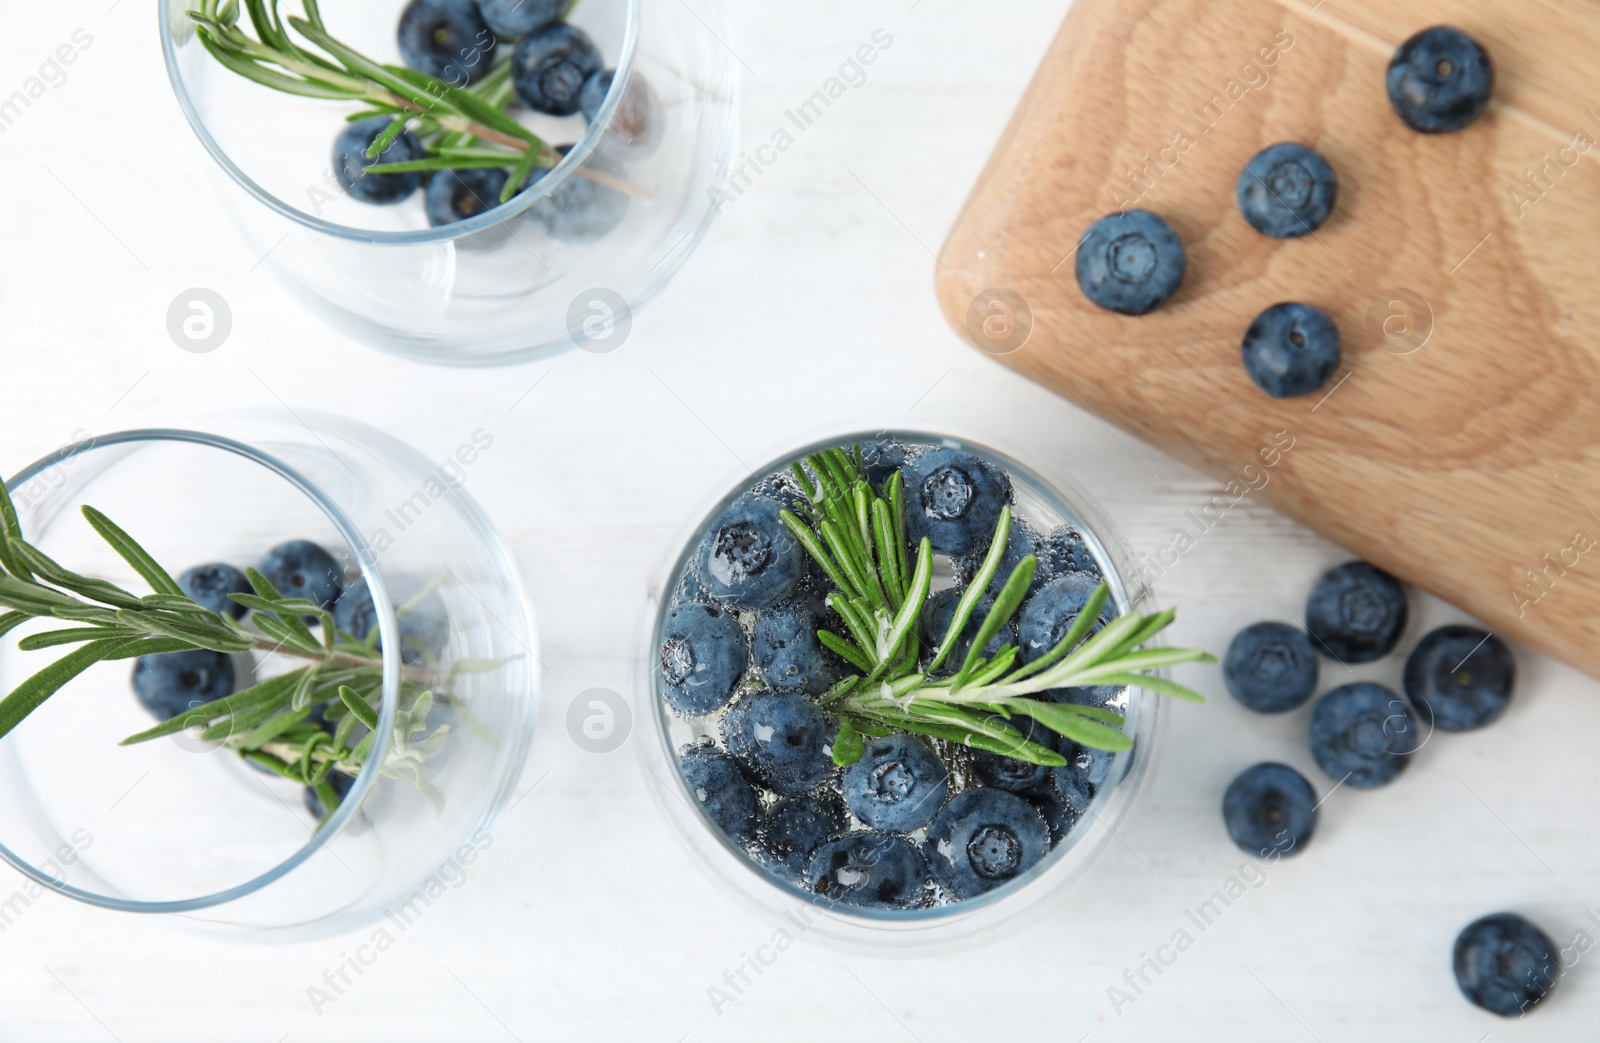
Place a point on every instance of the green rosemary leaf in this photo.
(975, 590)
(862, 632)
(31, 694)
(846, 650)
(1156, 658)
(273, 691)
(150, 646)
(179, 605)
(73, 636)
(313, 13)
(986, 672)
(362, 748)
(344, 729)
(10, 536)
(834, 537)
(271, 728)
(11, 620)
(1087, 617)
(93, 589)
(905, 621)
(240, 723)
(813, 547)
(269, 762)
(888, 557)
(359, 706)
(1005, 604)
(1001, 739)
(254, 70)
(519, 174)
(217, 639)
(840, 689)
(1156, 684)
(328, 797)
(261, 585)
(1081, 730)
(467, 104)
(301, 640)
(847, 745)
(267, 29)
(1094, 713)
(873, 729)
(130, 551)
(301, 698)
(384, 140)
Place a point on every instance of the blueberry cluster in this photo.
(555, 69)
(1133, 262)
(915, 822)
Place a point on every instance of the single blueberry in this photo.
(782, 741)
(447, 39)
(170, 683)
(1440, 80)
(1065, 550)
(936, 616)
(209, 586)
(350, 162)
(703, 658)
(341, 784)
(898, 785)
(1291, 349)
(519, 17)
(549, 68)
(424, 630)
(781, 487)
(1012, 773)
(580, 210)
(1356, 613)
(1022, 542)
(1270, 667)
(1505, 964)
(720, 789)
(301, 569)
(747, 558)
(455, 195)
(787, 652)
(954, 499)
(982, 839)
(1049, 614)
(636, 127)
(1362, 735)
(794, 827)
(1287, 191)
(1054, 809)
(1459, 678)
(1084, 775)
(873, 870)
(881, 458)
(1270, 808)
(1131, 262)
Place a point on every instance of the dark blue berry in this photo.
(455, 195)
(1054, 809)
(1049, 614)
(1270, 807)
(551, 65)
(794, 827)
(898, 785)
(209, 586)
(1362, 735)
(1440, 80)
(954, 499)
(720, 789)
(447, 39)
(350, 162)
(1084, 775)
(781, 487)
(518, 17)
(580, 210)
(1131, 262)
(1065, 550)
(636, 126)
(1459, 678)
(787, 652)
(1505, 964)
(703, 657)
(936, 616)
(984, 838)
(880, 459)
(424, 631)
(341, 784)
(747, 558)
(301, 569)
(1011, 773)
(1291, 349)
(1287, 191)
(173, 682)
(1356, 613)
(781, 741)
(1270, 667)
(1022, 542)
(871, 870)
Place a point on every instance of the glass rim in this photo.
(388, 627)
(518, 205)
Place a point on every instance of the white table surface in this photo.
(809, 307)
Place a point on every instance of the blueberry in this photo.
(1270, 667)
(782, 741)
(1440, 80)
(636, 126)
(1065, 550)
(1291, 349)
(787, 652)
(898, 784)
(518, 17)
(1084, 774)
(881, 458)
(1459, 678)
(954, 499)
(580, 210)
(301, 569)
(350, 162)
(447, 39)
(455, 195)
(1270, 807)
(1022, 542)
(1131, 262)
(1362, 734)
(983, 838)
(209, 586)
(1505, 964)
(1010, 773)
(781, 487)
(1049, 614)
(1054, 809)
(720, 788)
(794, 827)
(873, 870)
(549, 68)
(424, 631)
(170, 683)
(936, 616)
(1356, 613)
(1287, 191)
(341, 784)
(703, 657)
(747, 558)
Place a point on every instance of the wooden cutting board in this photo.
(1461, 451)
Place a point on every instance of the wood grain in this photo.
(1469, 466)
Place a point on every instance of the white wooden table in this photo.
(809, 307)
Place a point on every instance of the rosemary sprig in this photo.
(269, 722)
(856, 534)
